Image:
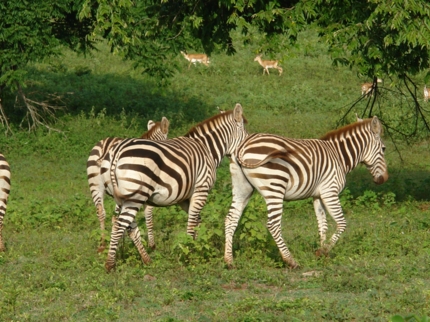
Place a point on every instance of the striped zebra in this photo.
(4, 194)
(177, 171)
(291, 169)
(99, 162)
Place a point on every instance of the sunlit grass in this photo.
(52, 272)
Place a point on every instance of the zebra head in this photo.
(373, 156)
(157, 130)
(239, 132)
(221, 133)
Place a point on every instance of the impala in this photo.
(196, 58)
(268, 64)
(426, 93)
(367, 88)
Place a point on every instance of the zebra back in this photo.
(156, 131)
(359, 142)
(202, 147)
(4, 194)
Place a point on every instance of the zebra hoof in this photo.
(321, 252)
(231, 266)
(146, 261)
(294, 265)
(109, 267)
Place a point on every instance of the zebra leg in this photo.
(101, 214)
(197, 202)
(332, 204)
(134, 234)
(274, 208)
(125, 220)
(117, 209)
(2, 247)
(149, 226)
(321, 219)
(242, 192)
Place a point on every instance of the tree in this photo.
(31, 31)
(150, 32)
(382, 38)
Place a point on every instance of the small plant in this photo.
(410, 318)
(369, 199)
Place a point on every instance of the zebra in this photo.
(4, 194)
(292, 169)
(98, 162)
(176, 171)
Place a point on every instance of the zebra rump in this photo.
(99, 162)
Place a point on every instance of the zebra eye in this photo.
(383, 149)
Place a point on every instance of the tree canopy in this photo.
(381, 38)
(31, 31)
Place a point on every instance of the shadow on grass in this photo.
(114, 93)
(406, 184)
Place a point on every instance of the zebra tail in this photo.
(280, 152)
(117, 194)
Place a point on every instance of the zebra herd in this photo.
(155, 171)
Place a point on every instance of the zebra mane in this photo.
(345, 129)
(195, 130)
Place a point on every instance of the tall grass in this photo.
(51, 271)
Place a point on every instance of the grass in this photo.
(52, 272)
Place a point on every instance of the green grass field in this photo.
(51, 270)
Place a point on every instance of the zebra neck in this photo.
(349, 153)
(215, 148)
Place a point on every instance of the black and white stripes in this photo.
(177, 171)
(99, 163)
(290, 169)
(4, 194)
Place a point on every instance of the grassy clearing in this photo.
(51, 271)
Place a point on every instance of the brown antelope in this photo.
(367, 88)
(196, 58)
(268, 64)
(426, 94)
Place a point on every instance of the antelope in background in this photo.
(426, 94)
(268, 64)
(367, 88)
(196, 58)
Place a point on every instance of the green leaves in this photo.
(378, 37)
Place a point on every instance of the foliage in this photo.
(385, 39)
(374, 35)
(409, 318)
(152, 32)
(51, 270)
(33, 31)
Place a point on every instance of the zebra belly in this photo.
(280, 180)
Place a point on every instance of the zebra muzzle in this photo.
(380, 179)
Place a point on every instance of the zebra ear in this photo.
(165, 125)
(376, 126)
(238, 113)
(358, 119)
(151, 124)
